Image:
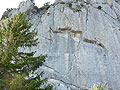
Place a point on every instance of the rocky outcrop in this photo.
(81, 39)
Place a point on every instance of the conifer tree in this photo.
(15, 65)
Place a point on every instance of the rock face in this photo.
(82, 41)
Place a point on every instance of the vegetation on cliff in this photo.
(15, 64)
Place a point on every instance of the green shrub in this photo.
(98, 86)
(82, 5)
(70, 5)
(99, 7)
(33, 83)
(2, 84)
(77, 9)
(18, 82)
(44, 8)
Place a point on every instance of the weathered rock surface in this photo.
(82, 40)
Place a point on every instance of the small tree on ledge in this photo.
(16, 65)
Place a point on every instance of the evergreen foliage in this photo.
(97, 86)
(78, 8)
(99, 7)
(70, 5)
(15, 65)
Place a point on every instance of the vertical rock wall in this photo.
(82, 40)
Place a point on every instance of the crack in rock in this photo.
(63, 75)
(49, 39)
(79, 87)
(37, 23)
(94, 42)
(50, 68)
(118, 16)
(65, 28)
(61, 30)
(108, 14)
(87, 11)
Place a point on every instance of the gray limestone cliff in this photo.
(81, 39)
